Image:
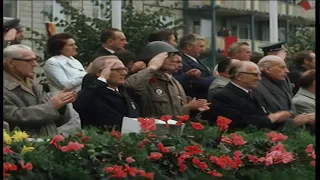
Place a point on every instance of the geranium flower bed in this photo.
(201, 152)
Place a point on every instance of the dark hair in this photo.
(56, 42)
(307, 78)
(256, 57)
(301, 56)
(162, 35)
(126, 56)
(108, 34)
(224, 64)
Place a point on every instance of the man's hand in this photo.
(10, 35)
(304, 118)
(62, 98)
(194, 104)
(156, 62)
(105, 73)
(193, 73)
(279, 116)
(138, 66)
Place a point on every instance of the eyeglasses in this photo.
(37, 59)
(120, 69)
(254, 74)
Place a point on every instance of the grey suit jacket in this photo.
(30, 109)
(304, 101)
(218, 83)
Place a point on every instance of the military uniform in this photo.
(11, 24)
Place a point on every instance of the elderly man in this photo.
(160, 93)
(25, 103)
(13, 32)
(274, 91)
(223, 79)
(105, 101)
(235, 100)
(305, 99)
(200, 77)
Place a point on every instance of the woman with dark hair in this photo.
(63, 71)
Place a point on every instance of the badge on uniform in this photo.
(159, 92)
(133, 106)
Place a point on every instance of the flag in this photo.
(306, 4)
(227, 42)
(51, 29)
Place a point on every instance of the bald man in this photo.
(235, 100)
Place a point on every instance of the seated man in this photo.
(161, 94)
(25, 104)
(235, 100)
(105, 101)
(222, 79)
(305, 99)
(274, 91)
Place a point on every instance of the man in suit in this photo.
(191, 46)
(302, 61)
(305, 99)
(112, 40)
(235, 100)
(274, 91)
(13, 32)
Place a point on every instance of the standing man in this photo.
(13, 32)
(112, 40)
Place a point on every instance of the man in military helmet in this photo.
(13, 32)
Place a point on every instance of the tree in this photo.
(303, 38)
(136, 26)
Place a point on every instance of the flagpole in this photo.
(273, 20)
(116, 14)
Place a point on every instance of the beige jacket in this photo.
(30, 109)
(160, 93)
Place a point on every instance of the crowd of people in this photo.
(166, 78)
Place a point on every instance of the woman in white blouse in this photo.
(63, 71)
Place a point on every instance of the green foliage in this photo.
(136, 26)
(104, 150)
(303, 38)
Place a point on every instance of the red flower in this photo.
(237, 154)
(118, 173)
(85, 139)
(191, 150)
(309, 149)
(154, 156)
(199, 164)
(223, 123)
(130, 170)
(115, 134)
(27, 166)
(149, 175)
(7, 150)
(152, 80)
(313, 163)
(111, 169)
(237, 140)
(181, 159)
(312, 154)
(182, 168)
(72, 146)
(130, 160)
(184, 118)
(278, 147)
(56, 139)
(197, 126)
(252, 158)
(214, 173)
(225, 139)
(151, 135)
(223, 161)
(166, 118)
(276, 157)
(162, 149)
(9, 167)
(147, 124)
(275, 137)
(179, 123)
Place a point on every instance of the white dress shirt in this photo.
(111, 51)
(105, 81)
(194, 59)
(244, 89)
(64, 72)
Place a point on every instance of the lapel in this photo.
(194, 64)
(70, 62)
(262, 88)
(11, 83)
(274, 88)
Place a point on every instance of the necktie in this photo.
(250, 94)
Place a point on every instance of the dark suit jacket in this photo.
(234, 103)
(295, 75)
(194, 87)
(97, 106)
(100, 52)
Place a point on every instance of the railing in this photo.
(260, 6)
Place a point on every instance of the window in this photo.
(53, 7)
(101, 9)
(168, 20)
(10, 8)
(244, 31)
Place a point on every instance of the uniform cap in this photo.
(12, 23)
(272, 47)
(154, 48)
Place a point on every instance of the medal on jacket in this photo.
(133, 106)
(159, 92)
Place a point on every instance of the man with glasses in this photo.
(25, 103)
(13, 32)
(236, 102)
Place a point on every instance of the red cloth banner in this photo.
(227, 42)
